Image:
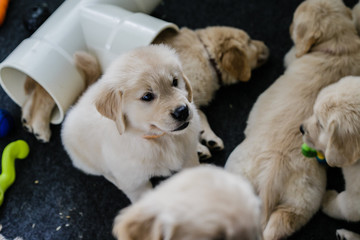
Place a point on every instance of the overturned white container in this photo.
(106, 28)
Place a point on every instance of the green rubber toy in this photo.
(15, 150)
(312, 153)
(308, 151)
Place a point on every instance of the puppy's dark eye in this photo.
(175, 82)
(147, 97)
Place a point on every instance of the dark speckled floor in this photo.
(52, 200)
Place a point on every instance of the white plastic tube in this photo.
(105, 27)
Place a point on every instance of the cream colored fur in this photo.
(334, 129)
(326, 48)
(201, 203)
(112, 131)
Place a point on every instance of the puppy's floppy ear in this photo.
(235, 62)
(305, 37)
(188, 88)
(137, 225)
(109, 104)
(341, 149)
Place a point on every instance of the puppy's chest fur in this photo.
(151, 157)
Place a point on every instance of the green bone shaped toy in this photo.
(17, 149)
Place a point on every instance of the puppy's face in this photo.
(316, 21)
(234, 51)
(147, 91)
(334, 128)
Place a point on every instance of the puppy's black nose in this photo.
(302, 129)
(181, 113)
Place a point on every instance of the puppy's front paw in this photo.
(342, 234)
(212, 141)
(203, 152)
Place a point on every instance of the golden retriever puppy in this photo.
(326, 48)
(213, 57)
(204, 202)
(334, 130)
(136, 122)
(38, 106)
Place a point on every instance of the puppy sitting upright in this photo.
(326, 49)
(136, 122)
(334, 129)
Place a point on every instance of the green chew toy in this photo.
(16, 150)
(311, 153)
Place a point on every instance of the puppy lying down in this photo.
(204, 202)
(136, 122)
(334, 129)
(326, 48)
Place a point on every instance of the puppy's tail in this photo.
(274, 174)
(89, 66)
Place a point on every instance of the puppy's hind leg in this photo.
(283, 222)
(43, 104)
(29, 87)
(89, 66)
(208, 136)
(36, 111)
(299, 201)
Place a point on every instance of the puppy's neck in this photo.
(212, 61)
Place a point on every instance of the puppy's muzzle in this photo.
(181, 114)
